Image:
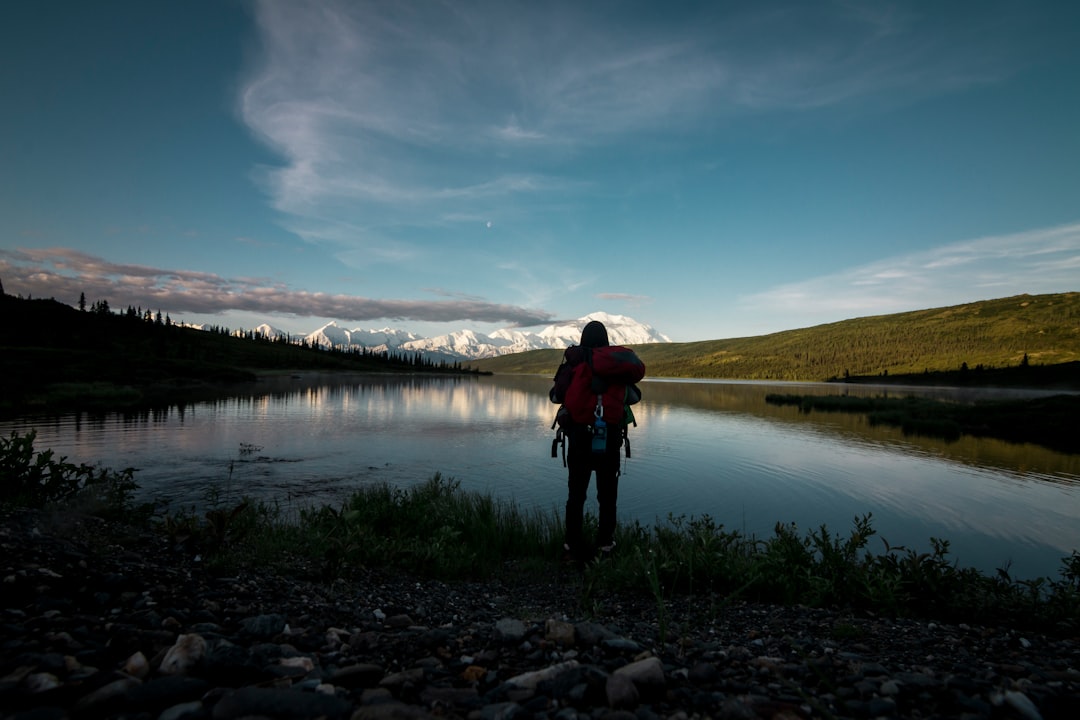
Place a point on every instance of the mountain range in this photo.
(472, 345)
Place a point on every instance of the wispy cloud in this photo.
(407, 113)
(64, 274)
(1037, 261)
(630, 299)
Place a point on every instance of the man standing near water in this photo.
(591, 385)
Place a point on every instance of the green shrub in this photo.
(436, 530)
(36, 479)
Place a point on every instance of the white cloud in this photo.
(64, 274)
(1037, 261)
(635, 301)
(393, 111)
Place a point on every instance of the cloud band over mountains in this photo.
(64, 274)
(1044, 260)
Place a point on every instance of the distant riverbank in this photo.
(1063, 376)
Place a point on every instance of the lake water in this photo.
(711, 447)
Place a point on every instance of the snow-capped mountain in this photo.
(269, 331)
(471, 345)
(331, 335)
(622, 330)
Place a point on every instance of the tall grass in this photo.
(432, 529)
(435, 529)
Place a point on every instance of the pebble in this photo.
(89, 629)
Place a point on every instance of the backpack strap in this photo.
(599, 385)
(560, 440)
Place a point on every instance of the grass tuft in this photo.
(437, 530)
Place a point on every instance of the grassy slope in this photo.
(991, 334)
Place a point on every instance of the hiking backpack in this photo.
(596, 383)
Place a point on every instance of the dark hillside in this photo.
(57, 356)
(992, 334)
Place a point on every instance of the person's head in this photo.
(594, 335)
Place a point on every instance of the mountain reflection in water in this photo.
(701, 447)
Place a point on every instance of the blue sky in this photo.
(714, 169)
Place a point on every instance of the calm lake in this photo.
(711, 447)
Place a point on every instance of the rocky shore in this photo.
(104, 621)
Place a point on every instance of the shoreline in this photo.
(106, 620)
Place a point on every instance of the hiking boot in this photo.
(607, 552)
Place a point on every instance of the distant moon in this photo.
(489, 223)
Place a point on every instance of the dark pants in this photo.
(582, 463)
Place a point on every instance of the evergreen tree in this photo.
(82, 302)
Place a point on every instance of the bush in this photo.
(36, 479)
(436, 530)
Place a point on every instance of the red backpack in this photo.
(598, 385)
(589, 382)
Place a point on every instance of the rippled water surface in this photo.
(713, 448)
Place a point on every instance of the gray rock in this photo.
(590, 634)
(744, 661)
(737, 709)
(1022, 704)
(559, 632)
(703, 673)
(163, 692)
(880, 707)
(621, 691)
(106, 695)
(184, 654)
(646, 673)
(502, 711)
(361, 675)
(412, 676)
(510, 630)
(620, 644)
(530, 680)
(275, 703)
(263, 627)
(182, 710)
(391, 711)
(461, 697)
(873, 669)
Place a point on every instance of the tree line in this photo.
(57, 356)
(402, 360)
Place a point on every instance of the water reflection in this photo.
(701, 448)
(1026, 461)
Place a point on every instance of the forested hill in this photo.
(977, 336)
(56, 356)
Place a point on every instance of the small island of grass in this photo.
(1047, 421)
